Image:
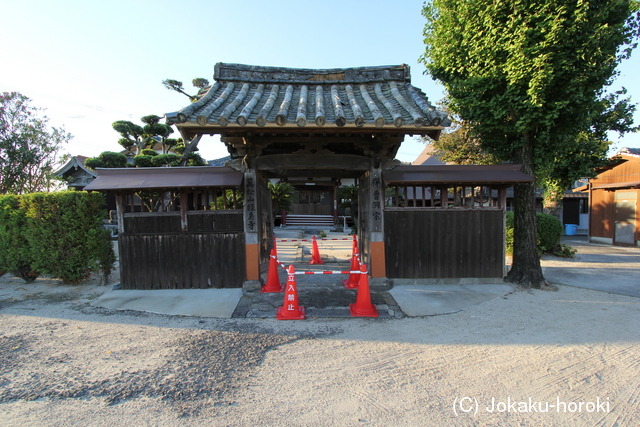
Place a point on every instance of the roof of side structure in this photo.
(459, 174)
(164, 178)
(366, 98)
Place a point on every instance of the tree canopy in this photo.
(136, 138)
(140, 140)
(107, 159)
(457, 145)
(529, 77)
(177, 86)
(29, 149)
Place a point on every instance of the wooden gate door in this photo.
(625, 217)
(313, 202)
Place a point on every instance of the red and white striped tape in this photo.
(330, 272)
(304, 240)
(279, 263)
(318, 272)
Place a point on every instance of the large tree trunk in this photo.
(526, 270)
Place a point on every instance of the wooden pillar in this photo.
(591, 217)
(375, 221)
(336, 184)
(120, 207)
(502, 197)
(252, 247)
(502, 203)
(184, 201)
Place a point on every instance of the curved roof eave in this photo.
(269, 98)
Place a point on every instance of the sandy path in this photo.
(559, 349)
(63, 362)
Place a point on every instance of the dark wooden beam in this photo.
(232, 129)
(336, 173)
(313, 162)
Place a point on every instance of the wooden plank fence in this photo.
(160, 256)
(444, 243)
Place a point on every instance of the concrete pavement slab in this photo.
(431, 300)
(219, 303)
(596, 266)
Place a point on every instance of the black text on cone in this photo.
(290, 310)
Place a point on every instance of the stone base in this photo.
(252, 285)
(380, 284)
(601, 240)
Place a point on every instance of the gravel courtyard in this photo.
(570, 357)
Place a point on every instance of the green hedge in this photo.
(549, 232)
(59, 234)
(15, 255)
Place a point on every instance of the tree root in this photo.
(543, 286)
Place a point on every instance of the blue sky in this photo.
(92, 63)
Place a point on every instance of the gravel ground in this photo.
(64, 362)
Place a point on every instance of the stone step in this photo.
(310, 220)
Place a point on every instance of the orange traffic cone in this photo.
(354, 278)
(290, 310)
(273, 281)
(315, 253)
(354, 247)
(274, 246)
(363, 306)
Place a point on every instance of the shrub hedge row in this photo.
(59, 234)
(549, 232)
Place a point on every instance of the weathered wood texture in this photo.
(444, 243)
(199, 222)
(364, 211)
(602, 209)
(155, 254)
(446, 197)
(265, 221)
(602, 214)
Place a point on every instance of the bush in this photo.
(107, 159)
(143, 161)
(565, 251)
(148, 152)
(549, 232)
(282, 196)
(59, 234)
(165, 159)
(15, 256)
(227, 197)
(509, 233)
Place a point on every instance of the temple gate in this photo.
(312, 128)
(312, 125)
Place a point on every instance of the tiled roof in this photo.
(75, 162)
(630, 151)
(219, 162)
(429, 156)
(266, 97)
(164, 178)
